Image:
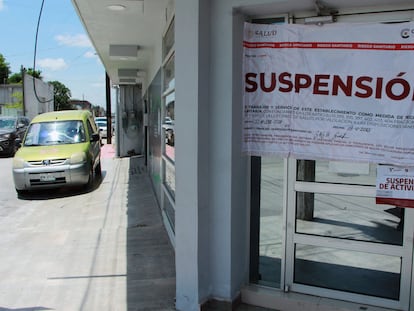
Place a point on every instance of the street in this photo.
(70, 249)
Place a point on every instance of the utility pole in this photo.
(108, 109)
(23, 73)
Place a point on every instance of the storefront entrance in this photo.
(316, 229)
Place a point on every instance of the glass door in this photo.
(339, 243)
(316, 229)
(267, 220)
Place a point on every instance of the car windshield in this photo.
(7, 123)
(101, 123)
(55, 133)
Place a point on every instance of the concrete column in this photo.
(229, 209)
(211, 226)
(191, 164)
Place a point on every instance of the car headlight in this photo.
(18, 163)
(5, 136)
(77, 158)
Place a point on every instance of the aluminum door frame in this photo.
(292, 238)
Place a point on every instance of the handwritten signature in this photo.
(328, 135)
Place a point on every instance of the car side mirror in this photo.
(18, 142)
(95, 137)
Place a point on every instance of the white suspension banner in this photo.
(336, 92)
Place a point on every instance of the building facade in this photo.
(279, 232)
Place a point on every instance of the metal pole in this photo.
(23, 72)
(108, 109)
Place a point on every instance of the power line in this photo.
(34, 58)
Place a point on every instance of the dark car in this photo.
(11, 128)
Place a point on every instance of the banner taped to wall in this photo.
(336, 92)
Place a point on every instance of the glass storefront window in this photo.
(350, 271)
(169, 75)
(267, 270)
(169, 210)
(168, 40)
(169, 126)
(169, 177)
(338, 172)
(348, 217)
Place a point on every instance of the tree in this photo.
(61, 96)
(15, 78)
(4, 70)
(34, 73)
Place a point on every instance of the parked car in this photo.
(168, 127)
(103, 127)
(59, 149)
(113, 123)
(11, 129)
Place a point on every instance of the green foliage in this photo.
(34, 73)
(15, 78)
(61, 96)
(4, 70)
(18, 102)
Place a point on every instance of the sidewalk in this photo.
(104, 249)
(150, 256)
(107, 151)
(151, 263)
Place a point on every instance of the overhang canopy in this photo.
(127, 34)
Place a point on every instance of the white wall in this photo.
(211, 173)
(7, 93)
(41, 103)
(191, 240)
(228, 166)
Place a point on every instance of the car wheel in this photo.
(98, 170)
(13, 151)
(91, 178)
(21, 193)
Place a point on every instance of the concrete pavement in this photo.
(73, 249)
(105, 249)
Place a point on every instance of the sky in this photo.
(64, 51)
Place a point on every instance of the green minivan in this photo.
(60, 148)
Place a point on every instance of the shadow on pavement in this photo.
(150, 256)
(25, 309)
(63, 192)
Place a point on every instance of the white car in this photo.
(103, 129)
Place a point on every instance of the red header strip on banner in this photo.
(395, 202)
(330, 45)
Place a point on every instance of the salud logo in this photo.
(406, 33)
